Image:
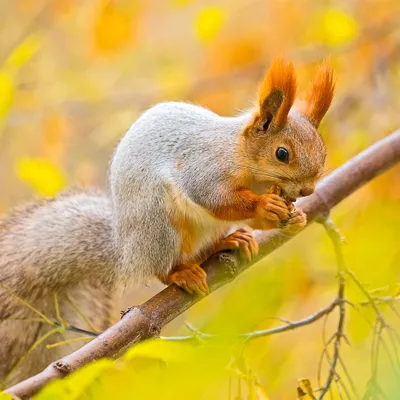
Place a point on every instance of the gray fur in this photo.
(173, 162)
(81, 244)
(63, 246)
(146, 162)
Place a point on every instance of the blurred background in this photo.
(75, 75)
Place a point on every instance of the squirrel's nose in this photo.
(306, 191)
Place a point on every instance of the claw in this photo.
(295, 223)
(284, 223)
(243, 239)
(191, 278)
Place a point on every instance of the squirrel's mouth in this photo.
(289, 199)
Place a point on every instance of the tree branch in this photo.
(289, 326)
(146, 320)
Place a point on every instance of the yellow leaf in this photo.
(5, 396)
(6, 94)
(209, 23)
(261, 392)
(336, 27)
(305, 390)
(112, 28)
(23, 53)
(44, 177)
(161, 351)
(74, 386)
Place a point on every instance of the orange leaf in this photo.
(112, 30)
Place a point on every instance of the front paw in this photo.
(295, 223)
(273, 208)
(242, 240)
(190, 277)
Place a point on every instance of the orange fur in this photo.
(186, 229)
(190, 277)
(281, 76)
(320, 96)
(244, 204)
(241, 205)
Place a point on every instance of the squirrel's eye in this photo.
(282, 154)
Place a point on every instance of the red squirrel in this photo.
(185, 183)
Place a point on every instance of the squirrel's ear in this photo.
(320, 96)
(276, 95)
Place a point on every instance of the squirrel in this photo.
(185, 184)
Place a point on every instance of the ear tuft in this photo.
(280, 77)
(320, 96)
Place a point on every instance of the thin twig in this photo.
(73, 328)
(78, 339)
(24, 302)
(366, 293)
(290, 325)
(83, 316)
(380, 300)
(325, 350)
(349, 378)
(31, 348)
(337, 240)
(57, 310)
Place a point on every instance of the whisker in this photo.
(270, 176)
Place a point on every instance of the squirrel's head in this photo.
(281, 145)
